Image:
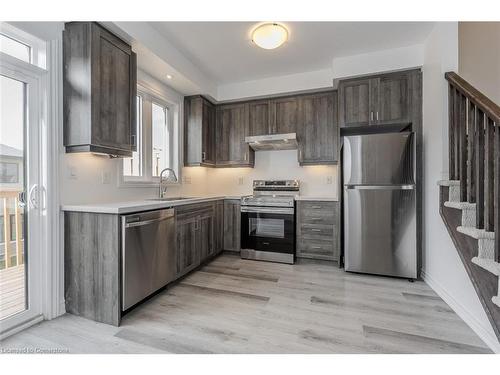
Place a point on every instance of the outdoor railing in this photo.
(13, 238)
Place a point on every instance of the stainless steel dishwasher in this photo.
(148, 254)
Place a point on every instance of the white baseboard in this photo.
(21, 327)
(477, 326)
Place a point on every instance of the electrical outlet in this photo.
(72, 173)
(240, 180)
(105, 177)
(329, 180)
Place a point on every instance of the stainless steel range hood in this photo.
(273, 142)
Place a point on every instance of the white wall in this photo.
(442, 267)
(479, 56)
(379, 61)
(276, 85)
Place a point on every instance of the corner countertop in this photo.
(137, 206)
(312, 198)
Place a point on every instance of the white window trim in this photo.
(174, 120)
(38, 48)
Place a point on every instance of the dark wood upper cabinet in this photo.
(355, 105)
(100, 88)
(284, 115)
(378, 100)
(259, 117)
(393, 95)
(318, 130)
(199, 132)
(231, 130)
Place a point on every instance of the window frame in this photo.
(150, 96)
(38, 47)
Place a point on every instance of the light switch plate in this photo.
(105, 177)
(240, 180)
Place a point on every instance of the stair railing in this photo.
(474, 152)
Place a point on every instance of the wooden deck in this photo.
(12, 291)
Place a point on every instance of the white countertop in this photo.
(151, 204)
(136, 206)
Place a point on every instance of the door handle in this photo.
(33, 196)
(203, 156)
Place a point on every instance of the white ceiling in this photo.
(224, 51)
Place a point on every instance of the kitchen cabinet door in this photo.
(258, 118)
(199, 132)
(355, 102)
(284, 115)
(99, 109)
(219, 226)
(188, 251)
(318, 131)
(232, 128)
(232, 225)
(205, 236)
(393, 98)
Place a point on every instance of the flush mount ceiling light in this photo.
(270, 35)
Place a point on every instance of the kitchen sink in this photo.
(169, 199)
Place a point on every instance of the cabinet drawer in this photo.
(196, 209)
(317, 231)
(317, 250)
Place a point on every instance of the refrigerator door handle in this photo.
(380, 187)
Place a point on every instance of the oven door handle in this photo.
(268, 210)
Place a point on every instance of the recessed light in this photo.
(270, 35)
(169, 76)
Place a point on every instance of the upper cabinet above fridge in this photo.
(100, 88)
(376, 100)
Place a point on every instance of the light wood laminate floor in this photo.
(243, 306)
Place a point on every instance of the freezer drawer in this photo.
(380, 230)
(148, 254)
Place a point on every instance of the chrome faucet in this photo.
(162, 189)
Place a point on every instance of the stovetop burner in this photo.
(272, 193)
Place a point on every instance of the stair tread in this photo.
(448, 182)
(460, 205)
(476, 233)
(488, 264)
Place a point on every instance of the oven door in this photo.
(270, 229)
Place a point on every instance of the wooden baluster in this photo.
(479, 169)
(496, 203)
(19, 247)
(463, 148)
(6, 232)
(456, 135)
(451, 131)
(471, 154)
(489, 156)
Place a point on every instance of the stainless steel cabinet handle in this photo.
(315, 218)
(315, 207)
(377, 115)
(316, 247)
(316, 230)
(133, 140)
(203, 155)
(147, 222)
(371, 115)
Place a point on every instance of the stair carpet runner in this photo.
(486, 246)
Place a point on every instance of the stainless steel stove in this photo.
(268, 221)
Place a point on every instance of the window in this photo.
(133, 166)
(14, 48)
(22, 46)
(157, 143)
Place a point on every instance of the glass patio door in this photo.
(20, 122)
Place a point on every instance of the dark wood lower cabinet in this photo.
(92, 266)
(232, 225)
(188, 251)
(219, 226)
(318, 230)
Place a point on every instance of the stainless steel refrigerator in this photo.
(380, 204)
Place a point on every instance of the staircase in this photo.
(470, 199)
